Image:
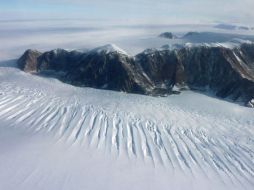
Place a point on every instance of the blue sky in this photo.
(167, 11)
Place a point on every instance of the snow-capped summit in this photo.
(108, 49)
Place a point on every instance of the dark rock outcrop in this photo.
(167, 35)
(218, 69)
(161, 67)
(28, 61)
(108, 70)
(228, 73)
(58, 60)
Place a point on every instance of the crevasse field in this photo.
(57, 136)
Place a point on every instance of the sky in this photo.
(141, 11)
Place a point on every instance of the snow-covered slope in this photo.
(108, 49)
(56, 136)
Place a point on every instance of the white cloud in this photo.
(171, 11)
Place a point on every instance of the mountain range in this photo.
(226, 72)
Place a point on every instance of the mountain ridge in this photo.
(229, 73)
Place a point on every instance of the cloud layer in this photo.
(146, 11)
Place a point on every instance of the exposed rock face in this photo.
(229, 73)
(162, 67)
(106, 67)
(58, 60)
(247, 55)
(28, 61)
(218, 69)
(112, 70)
(167, 35)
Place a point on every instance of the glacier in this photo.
(57, 136)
